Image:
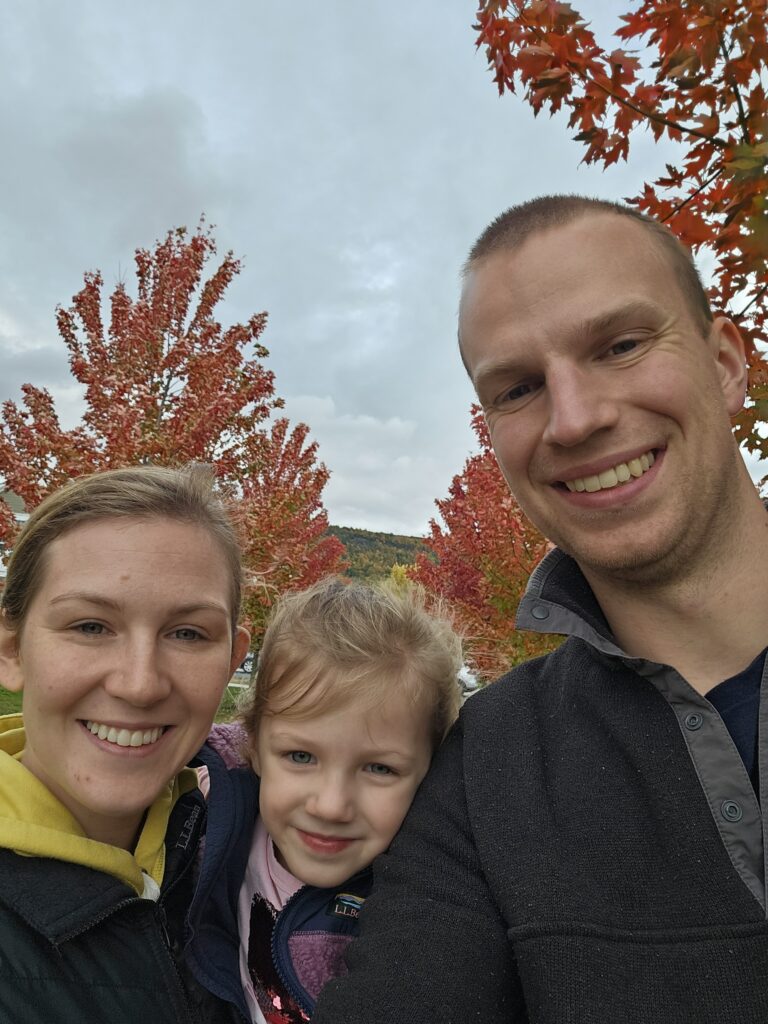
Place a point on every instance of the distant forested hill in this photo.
(372, 555)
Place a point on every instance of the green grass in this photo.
(11, 703)
(226, 710)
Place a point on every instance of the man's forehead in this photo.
(592, 251)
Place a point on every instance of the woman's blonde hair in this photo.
(339, 640)
(139, 492)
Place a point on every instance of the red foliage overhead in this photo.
(483, 555)
(165, 383)
(699, 76)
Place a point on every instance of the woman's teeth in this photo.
(618, 474)
(125, 737)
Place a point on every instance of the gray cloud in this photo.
(350, 152)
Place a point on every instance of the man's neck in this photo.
(710, 622)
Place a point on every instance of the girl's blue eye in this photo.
(379, 769)
(300, 757)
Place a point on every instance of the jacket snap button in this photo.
(731, 810)
(540, 612)
(694, 721)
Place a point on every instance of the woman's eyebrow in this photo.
(86, 596)
(103, 601)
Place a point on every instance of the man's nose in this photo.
(579, 405)
(331, 798)
(139, 678)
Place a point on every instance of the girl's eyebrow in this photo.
(372, 752)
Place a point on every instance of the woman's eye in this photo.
(300, 757)
(379, 769)
(90, 628)
(187, 633)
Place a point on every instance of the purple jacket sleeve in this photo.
(230, 741)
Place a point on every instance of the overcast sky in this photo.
(350, 152)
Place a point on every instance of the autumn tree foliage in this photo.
(697, 74)
(164, 382)
(481, 557)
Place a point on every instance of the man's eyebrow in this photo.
(491, 372)
(642, 311)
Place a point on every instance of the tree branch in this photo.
(649, 115)
(659, 118)
(704, 184)
(755, 298)
(745, 137)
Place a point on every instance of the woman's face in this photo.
(123, 657)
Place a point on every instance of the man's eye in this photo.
(379, 769)
(619, 348)
(300, 757)
(518, 392)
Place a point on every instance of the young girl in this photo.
(119, 624)
(356, 687)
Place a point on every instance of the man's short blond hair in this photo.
(340, 640)
(516, 225)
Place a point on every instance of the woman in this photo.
(119, 625)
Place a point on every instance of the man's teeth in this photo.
(614, 476)
(125, 737)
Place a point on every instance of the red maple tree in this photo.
(482, 555)
(700, 79)
(165, 383)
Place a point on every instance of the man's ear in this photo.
(240, 645)
(730, 354)
(10, 664)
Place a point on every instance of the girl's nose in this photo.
(331, 800)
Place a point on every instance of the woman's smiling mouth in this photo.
(125, 737)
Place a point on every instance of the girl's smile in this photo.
(336, 786)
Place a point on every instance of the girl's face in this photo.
(123, 657)
(335, 787)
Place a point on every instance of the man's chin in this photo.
(630, 560)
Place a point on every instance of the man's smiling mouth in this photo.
(614, 476)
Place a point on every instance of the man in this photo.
(588, 844)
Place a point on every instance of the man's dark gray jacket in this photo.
(586, 849)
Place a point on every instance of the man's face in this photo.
(608, 409)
